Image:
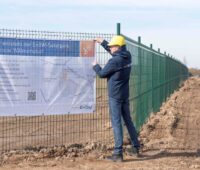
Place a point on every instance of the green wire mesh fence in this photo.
(154, 77)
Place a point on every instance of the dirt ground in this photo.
(171, 141)
(154, 161)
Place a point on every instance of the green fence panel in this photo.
(154, 77)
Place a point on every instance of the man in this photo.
(117, 71)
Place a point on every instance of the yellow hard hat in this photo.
(117, 40)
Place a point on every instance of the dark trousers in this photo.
(118, 109)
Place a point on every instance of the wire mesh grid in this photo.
(19, 132)
(154, 77)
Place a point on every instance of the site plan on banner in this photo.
(46, 77)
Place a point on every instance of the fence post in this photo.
(118, 28)
(152, 77)
(168, 73)
(139, 114)
(165, 68)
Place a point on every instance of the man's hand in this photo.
(94, 63)
(98, 40)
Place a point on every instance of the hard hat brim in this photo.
(111, 44)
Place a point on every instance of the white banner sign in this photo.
(46, 77)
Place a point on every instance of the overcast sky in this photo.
(171, 25)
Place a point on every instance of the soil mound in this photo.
(177, 124)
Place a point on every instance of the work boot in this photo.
(133, 151)
(136, 151)
(115, 158)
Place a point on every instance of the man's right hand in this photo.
(98, 40)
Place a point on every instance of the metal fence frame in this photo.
(19, 132)
(154, 77)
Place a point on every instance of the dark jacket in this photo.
(117, 71)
